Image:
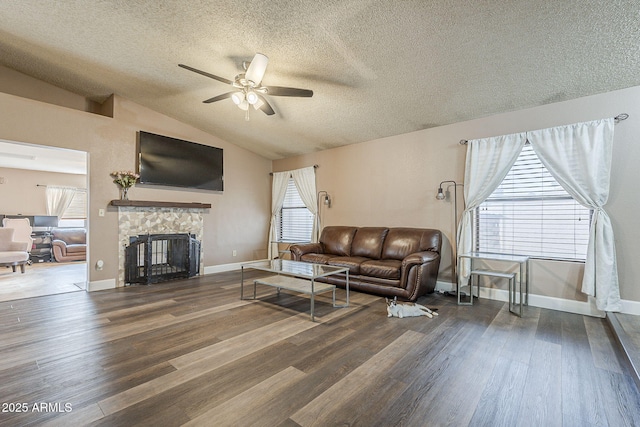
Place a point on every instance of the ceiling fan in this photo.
(248, 87)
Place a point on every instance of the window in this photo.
(78, 207)
(76, 213)
(531, 214)
(295, 221)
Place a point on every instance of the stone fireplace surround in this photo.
(137, 217)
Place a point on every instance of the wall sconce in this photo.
(441, 195)
(326, 199)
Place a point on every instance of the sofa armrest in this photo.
(418, 258)
(308, 248)
(60, 245)
(419, 273)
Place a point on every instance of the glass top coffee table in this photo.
(296, 276)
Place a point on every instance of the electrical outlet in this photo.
(100, 212)
(234, 253)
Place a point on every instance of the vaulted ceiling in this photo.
(377, 67)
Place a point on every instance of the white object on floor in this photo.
(404, 310)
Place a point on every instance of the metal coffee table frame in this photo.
(296, 276)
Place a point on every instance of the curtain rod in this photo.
(620, 117)
(314, 166)
(75, 188)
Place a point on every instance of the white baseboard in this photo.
(101, 285)
(630, 307)
(227, 267)
(445, 286)
(587, 308)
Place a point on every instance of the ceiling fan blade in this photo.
(256, 69)
(265, 107)
(219, 97)
(289, 91)
(204, 73)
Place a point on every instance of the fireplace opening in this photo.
(154, 258)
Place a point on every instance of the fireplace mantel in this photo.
(153, 204)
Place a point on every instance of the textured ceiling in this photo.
(377, 68)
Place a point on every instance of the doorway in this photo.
(28, 175)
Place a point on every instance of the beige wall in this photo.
(393, 182)
(16, 83)
(20, 194)
(238, 219)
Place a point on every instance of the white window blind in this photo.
(531, 214)
(78, 207)
(295, 220)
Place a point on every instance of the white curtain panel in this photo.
(278, 190)
(579, 158)
(488, 162)
(58, 199)
(305, 180)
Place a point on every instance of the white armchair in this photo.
(23, 230)
(12, 253)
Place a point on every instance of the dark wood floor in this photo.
(190, 352)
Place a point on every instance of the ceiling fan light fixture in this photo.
(259, 103)
(244, 105)
(256, 69)
(237, 98)
(252, 97)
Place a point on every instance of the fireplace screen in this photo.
(154, 258)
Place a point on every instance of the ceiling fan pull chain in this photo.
(246, 115)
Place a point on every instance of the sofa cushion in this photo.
(74, 236)
(316, 258)
(13, 256)
(383, 268)
(351, 262)
(337, 240)
(76, 249)
(401, 242)
(368, 242)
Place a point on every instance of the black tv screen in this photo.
(176, 163)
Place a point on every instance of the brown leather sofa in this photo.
(69, 244)
(392, 262)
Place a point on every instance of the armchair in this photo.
(12, 253)
(23, 230)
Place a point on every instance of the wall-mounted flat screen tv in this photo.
(177, 163)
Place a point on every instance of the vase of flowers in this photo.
(125, 180)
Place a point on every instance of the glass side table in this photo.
(515, 304)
